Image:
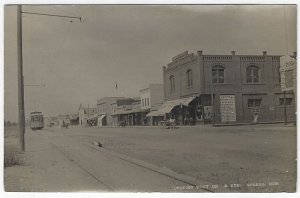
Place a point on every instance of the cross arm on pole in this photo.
(34, 85)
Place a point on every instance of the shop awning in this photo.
(123, 112)
(102, 116)
(155, 113)
(187, 101)
(169, 105)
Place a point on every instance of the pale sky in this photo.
(80, 62)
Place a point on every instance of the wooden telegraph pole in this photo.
(20, 69)
(20, 79)
(284, 103)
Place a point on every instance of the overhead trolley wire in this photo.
(53, 15)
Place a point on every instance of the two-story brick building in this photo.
(224, 89)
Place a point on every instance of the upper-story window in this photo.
(254, 102)
(218, 74)
(148, 102)
(189, 78)
(252, 73)
(172, 83)
(279, 74)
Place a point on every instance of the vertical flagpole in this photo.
(20, 79)
(116, 87)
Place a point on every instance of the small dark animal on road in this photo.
(97, 143)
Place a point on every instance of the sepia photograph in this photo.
(169, 98)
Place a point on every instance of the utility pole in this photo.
(284, 102)
(20, 79)
(212, 98)
(20, 70)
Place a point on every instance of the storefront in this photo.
(102, 120)
(155, 117)
(92, 121)
(185, 111)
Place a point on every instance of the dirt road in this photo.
(54, 162)
(258, 158)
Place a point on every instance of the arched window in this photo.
(172, 83)
(189, 78)
(218, 74)
(252, 73)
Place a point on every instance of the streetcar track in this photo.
(84, 169)
(123, 159)
(148, 168)
(80, 166)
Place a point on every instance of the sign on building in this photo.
(227, 107)
(288, 73)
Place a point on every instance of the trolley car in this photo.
(36, 121)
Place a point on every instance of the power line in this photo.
(20, 69)
(53, 15)
(285, 28)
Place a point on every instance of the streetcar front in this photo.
(36, 121)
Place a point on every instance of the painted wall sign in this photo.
(227, 107)
(288, 73)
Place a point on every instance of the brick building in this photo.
(234, 88)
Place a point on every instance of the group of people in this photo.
(64, 124)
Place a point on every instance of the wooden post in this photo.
(285, 117)
(20, 79)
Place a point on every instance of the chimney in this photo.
(232, 53)
(265, 53)
(199, 52)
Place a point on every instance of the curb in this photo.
(164, 171)
(194, 126)
(242, 124)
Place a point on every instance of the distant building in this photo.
(105, 110)
(54, 121)
(74, 119)
(47, 121)
(224, 89)
(85, 114)
(63, 119)
(126, 110)
(152, 98)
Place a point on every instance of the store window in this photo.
(287, 100)
(172, 83)
(189, 78)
